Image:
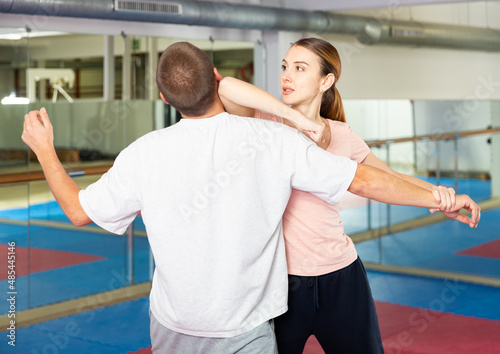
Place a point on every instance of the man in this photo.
(212, 190)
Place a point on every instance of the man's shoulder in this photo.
(263, 124)
(151, 138)
(159, 133)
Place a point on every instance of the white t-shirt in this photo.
(212, 193)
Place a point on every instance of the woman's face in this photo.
(300, 78)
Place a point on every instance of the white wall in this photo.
(437, 117)
(421, 73)
(384, 119)
(380, 119)
(463, 13)
(387, 72)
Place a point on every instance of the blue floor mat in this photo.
(435, 247)
(65, 283)
(114, 329)
(125, 327)
(50, 211)
(436, 294)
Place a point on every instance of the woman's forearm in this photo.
(236, 93)
(242, 98)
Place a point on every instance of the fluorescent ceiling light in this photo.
(15, 100)
(19, 33)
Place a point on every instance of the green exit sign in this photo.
(136, 44)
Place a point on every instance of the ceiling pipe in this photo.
(431, 35)
(216, 14)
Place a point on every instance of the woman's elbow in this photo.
(223, 87)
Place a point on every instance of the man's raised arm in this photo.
(39, 136)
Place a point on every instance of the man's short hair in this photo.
(185, 77)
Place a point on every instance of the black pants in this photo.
(338, 308)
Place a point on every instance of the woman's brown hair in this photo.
(331, 103)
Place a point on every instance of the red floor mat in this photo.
(411, 330)
(40, 260)
(313, 346)
(489, 250)
(142, 351)
(408, 329)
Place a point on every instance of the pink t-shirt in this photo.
(314, 235)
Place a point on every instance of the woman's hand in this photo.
(313, 129)
(445, 197)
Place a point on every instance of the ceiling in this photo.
(340, 5)
(352, 6)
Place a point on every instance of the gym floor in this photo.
(431, 313)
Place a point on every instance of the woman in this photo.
(329, 294)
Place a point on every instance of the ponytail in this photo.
(331, 105)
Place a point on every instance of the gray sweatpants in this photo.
(260, 340)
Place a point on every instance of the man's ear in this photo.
(218, 77)
(163, 98)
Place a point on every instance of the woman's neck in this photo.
(309, 111)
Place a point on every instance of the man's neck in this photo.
(217, 108)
